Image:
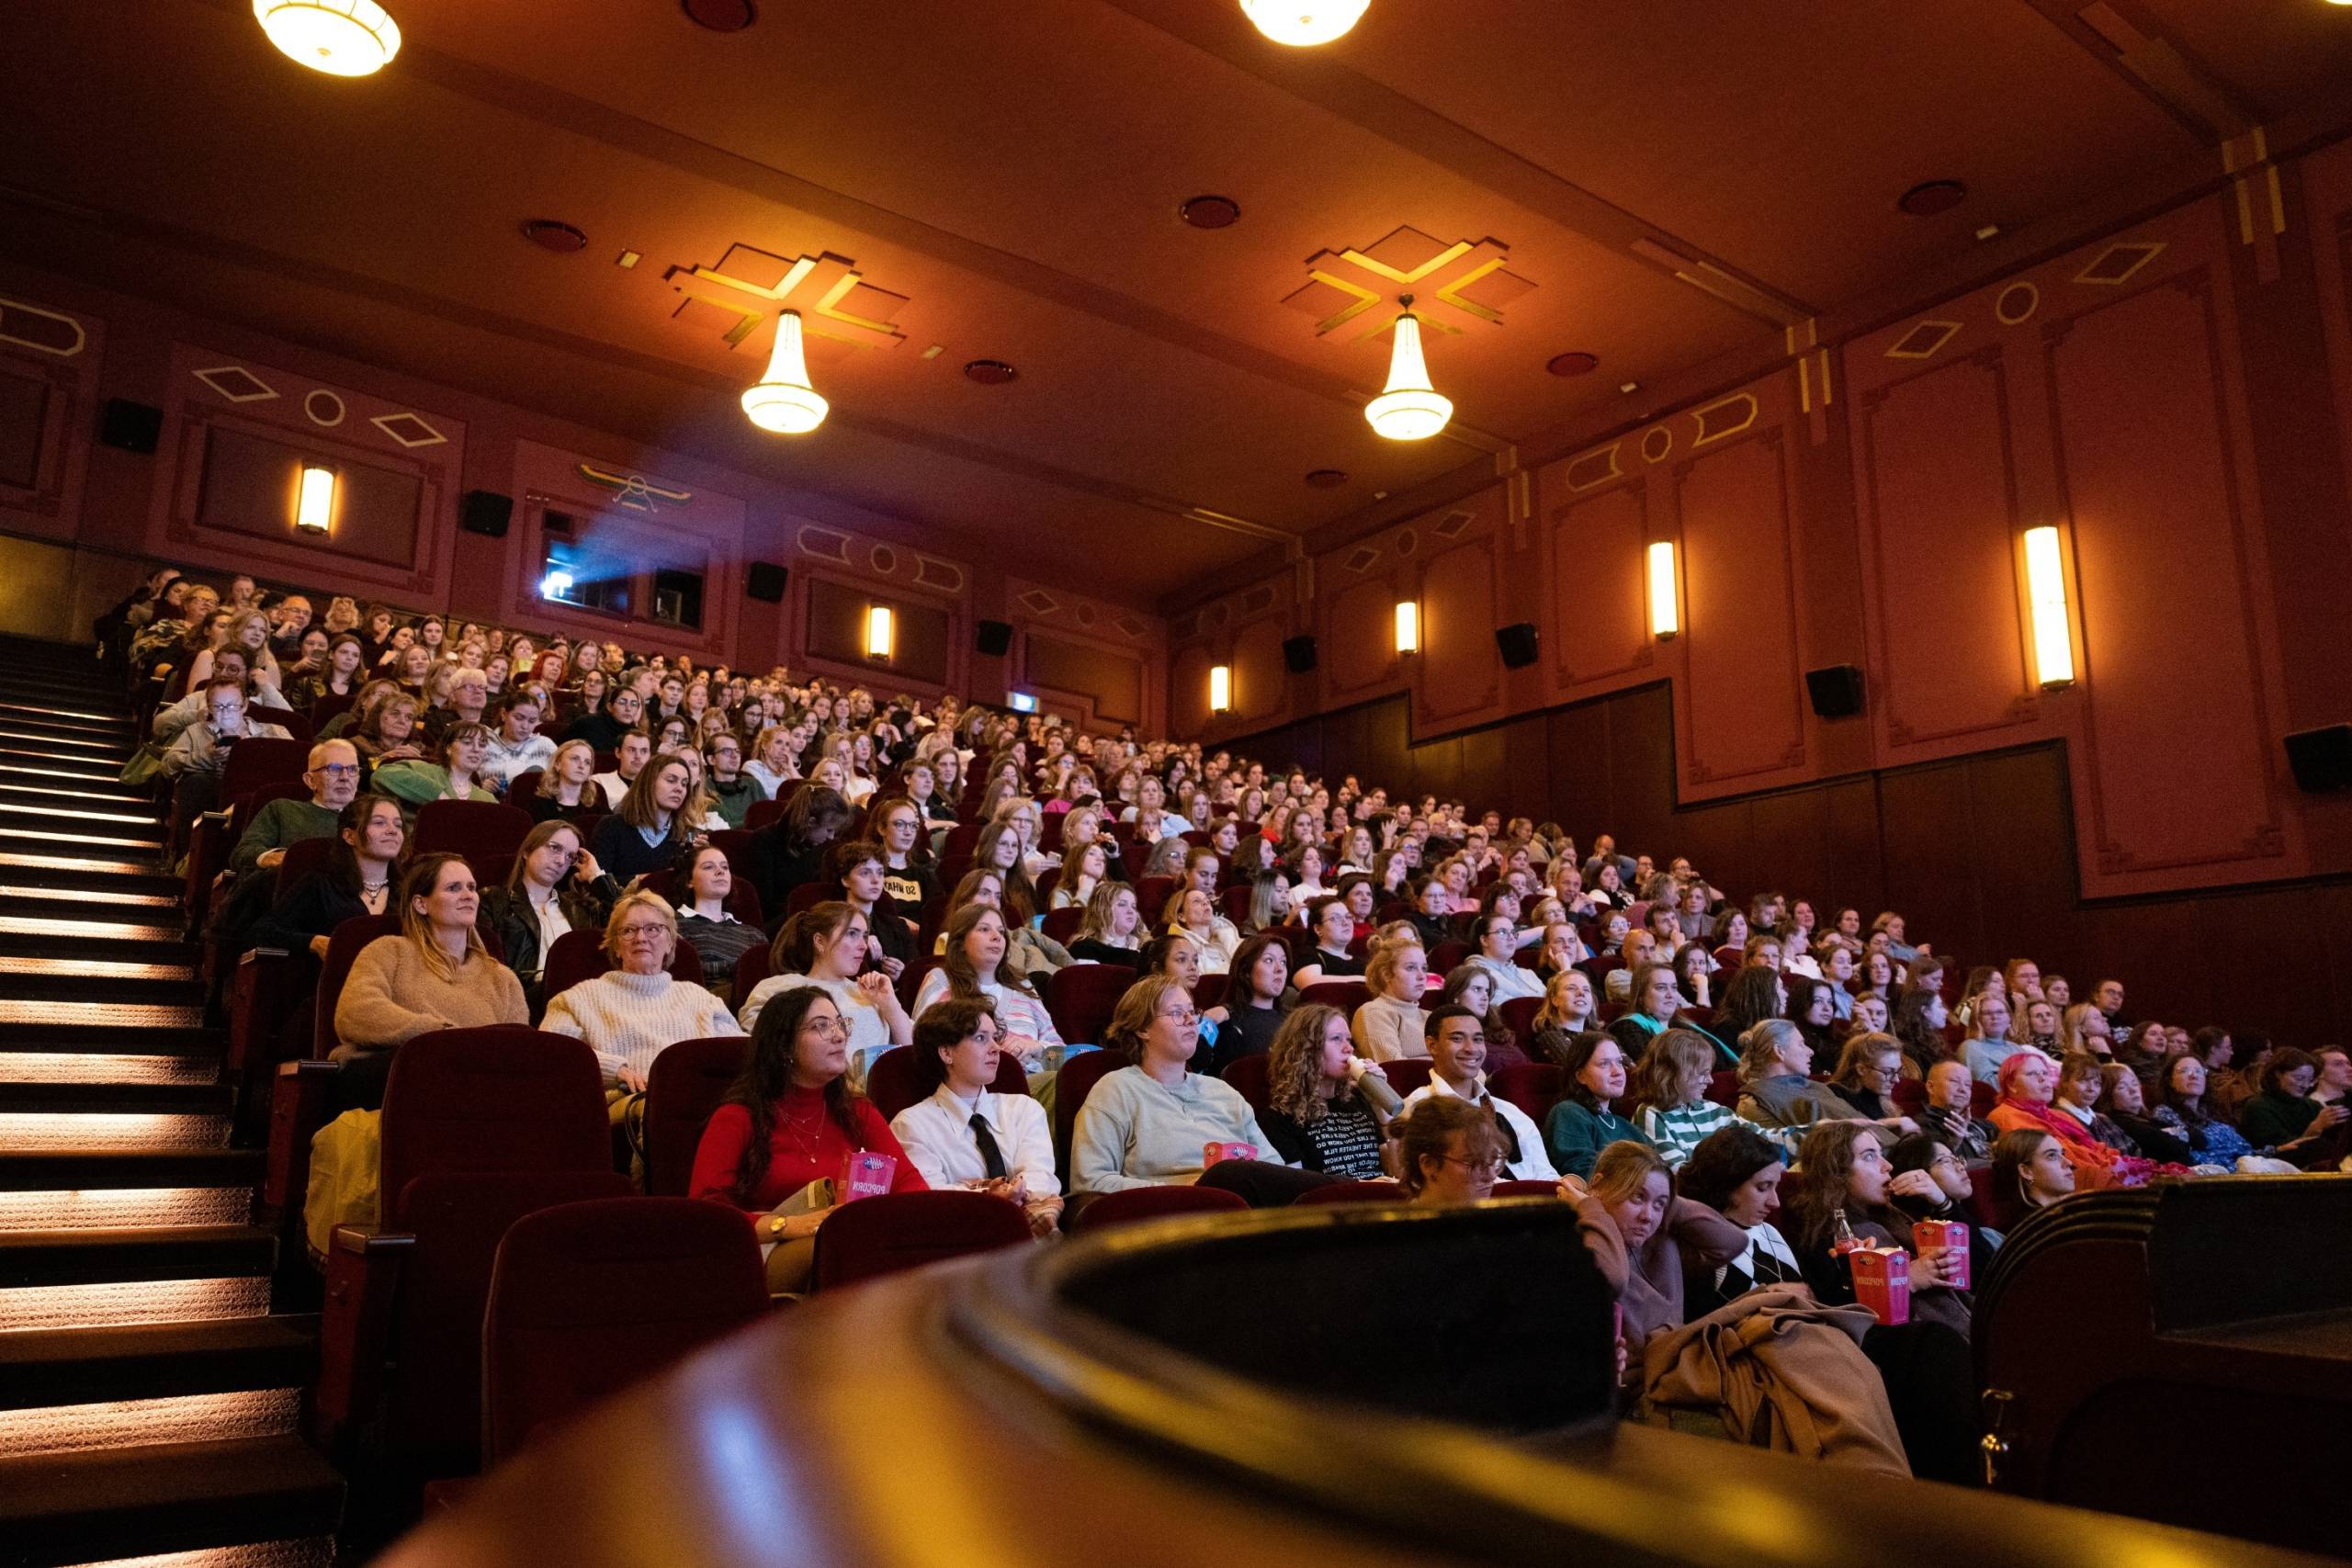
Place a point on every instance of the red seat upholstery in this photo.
(480, 1126)
(1980, 1198)
(735, 844)
(1406, 1074)
(1723, 1089)
(1150, 1204)
(1151, 893)
(342, 947)
(1081, 998)
(258, 760)
(1520, 1014)
(479, 830)
(1209, 990)
(685, 1084)
(523, 785)
(1345, 995)
(808, 895)
(754, 967)
(764, 812)
(1061, 925)
(1729, 957)
(1353, 1192)
(890, 1081)
(1909, 1095)
(580, 955)
(743, 899)
(1235, 902)
(303, 857)
(1526, 1189)
(1046, 884)
(587, 1298)
(1247, 1075)
(1447, 956)
(897, 1231)
(1071, 1085)
(1533, 1087)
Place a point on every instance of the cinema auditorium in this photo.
(1043, 783)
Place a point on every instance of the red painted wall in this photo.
(67, 348)
(2177, 397)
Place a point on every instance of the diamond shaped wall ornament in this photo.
(2119, 261)
(1039, 602)
(747, 285)
(237, 384)
(1922, 341)
(409, 430)
(1453, 286)
(1130, 626)
(1452, 523)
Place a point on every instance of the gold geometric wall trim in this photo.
(1595, 468)
(237, 384)
(2119, 261)
(323, 408)
(1922, 341)
(2016, 303)
(1453, 285)
(634, 491)
(408, 429)
(747, 285)
(1725, 416)
(44, 331)
(1656, 443)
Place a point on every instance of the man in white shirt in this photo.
(967, 1136)
(636, 751)
(1457, 1044)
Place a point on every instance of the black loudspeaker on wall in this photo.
(1516, 644)
(486, 512)
(993, 638)
(2321, 759)
(1298, 654)
(1836, 690)
(134, 427)
(765, 580)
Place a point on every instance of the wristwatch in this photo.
(776, 1227)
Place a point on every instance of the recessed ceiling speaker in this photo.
(1298, 654)
(1836, 690)
(1517, 645)
(133, 427)
(993, 638)
(486, 512)
(765, 580)
(2321, 759)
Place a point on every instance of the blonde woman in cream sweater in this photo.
(631, 1014)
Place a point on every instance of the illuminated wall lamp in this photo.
(314, 502)
(1409, 625)
(1220, 688)
(1666, 603)
(2046, 577)
(878, 631)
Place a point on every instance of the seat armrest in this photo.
(298, 1110)
(364, 1269)
(257, 1006)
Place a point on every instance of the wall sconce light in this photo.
(1220, 688)
(2045, 576)
(877, 631)
(1666, 603)
(314, 502)
(1409, 625)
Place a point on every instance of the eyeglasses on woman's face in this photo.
(825, 1028)
(1185, 1016)
(1488, 1165)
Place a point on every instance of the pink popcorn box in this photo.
(1950, 1238)
(1212, 1152)
(1882, 1282)
(865, 1174)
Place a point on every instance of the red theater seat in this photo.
(890, 1081)
(1082, 996)
(1150, 1204)
(897, 1231)
(1354, 1192)
(580, 955)
(686, 1083)
(481, 830)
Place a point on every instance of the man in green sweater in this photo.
(334, 778)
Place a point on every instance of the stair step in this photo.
(162, 1360)
(82, 845)
(51, 1030)
(70, 1170)
(117, 1015)
(80, 713)
(50, 876)
(53, 939)
(126, 1208)
(91, 1067)
(60, 743)
(190, 1498)
(29, 1132)
(76, 1096)
(116, 798)
(17, 968)
(77, 819)
(116, 1425)
(40, 768)
(130, 1255)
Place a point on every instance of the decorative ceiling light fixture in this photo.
(782, 400)
(1302, 24)
(341, 37)
(1409, 408)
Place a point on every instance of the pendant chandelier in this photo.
(341, 37)
(1409, 408)
(782, 400)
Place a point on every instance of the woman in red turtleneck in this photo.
(790, 1120)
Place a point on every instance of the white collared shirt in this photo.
(937, 1135)
(1533, 1163)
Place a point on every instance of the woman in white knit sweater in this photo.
(631, 1014)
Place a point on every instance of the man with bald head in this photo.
(334, 778)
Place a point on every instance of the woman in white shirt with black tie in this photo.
(966, 1135)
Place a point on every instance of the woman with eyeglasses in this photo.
(1448, 1150)
(632, 1013)
(554, 886)
(776, 1148)
(1868, 1069)
(1150, 1125)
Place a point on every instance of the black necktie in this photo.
(990, 1155)
(1511, 1138)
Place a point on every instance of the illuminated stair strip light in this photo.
(118, 1015)
(113, 1305)
(97, 841)
(89, 895)
(105, 1067)
(125, 1208)
(314, 1552)
(237, 1415)
(82, 930)
(71, 814)
(11, 862)
(95, 968)
(124, 1130)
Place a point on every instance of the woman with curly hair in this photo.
(1327, 1108)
